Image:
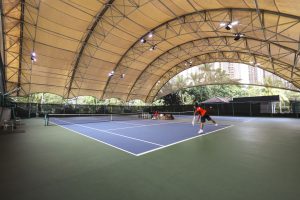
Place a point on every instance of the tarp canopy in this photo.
(79, 42)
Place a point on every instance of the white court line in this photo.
(113, 133)
(182, 141)
(125, 123)
(96, 139)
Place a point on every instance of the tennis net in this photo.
(65, 119)
(183, 114)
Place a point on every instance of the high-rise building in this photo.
(256, 75)
(232, 69)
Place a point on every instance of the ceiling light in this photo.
(150, 35)
(222, 24)
(234, 23)
(238, 36)
(33, 57)
(228, 26)
(189, 63)
(111, 73)
(143, 40)
(152, 48)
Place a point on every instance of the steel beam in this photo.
(82, 48)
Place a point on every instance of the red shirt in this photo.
(201, 111)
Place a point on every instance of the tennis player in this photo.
(204, 116)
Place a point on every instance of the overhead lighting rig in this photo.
(230, 25)
(238, 36)
(111, 74)
(153, 47)
(143, 40)
(149, 35)
(33, 57)
(189, 63)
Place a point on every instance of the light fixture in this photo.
(110, 74)
(33, 57)
(238, 36)
(234, 23)
(150, 35)
(228, 26)
(152, 47)
(143, 40)
(222, 24)
(189, 63)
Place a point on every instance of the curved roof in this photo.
(79, 42)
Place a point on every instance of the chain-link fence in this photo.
(222, 109)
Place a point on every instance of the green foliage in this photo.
(216, 83)
(202, 93)
(158, 102)
(136, 102)
(40, 98)
(113, 101)
(172, 99)
(89, 100)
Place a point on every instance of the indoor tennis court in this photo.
(136, 136)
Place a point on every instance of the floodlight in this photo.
(150, 35)
(111, 73)
(222, 24)
(143, 40)
(238, 36)
(152, 48)
(228, 27)
(33, 57)
(234, 23)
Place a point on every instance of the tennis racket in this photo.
(193, 122)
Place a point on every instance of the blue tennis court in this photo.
(138, 137)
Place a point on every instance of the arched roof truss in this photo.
(79, 42)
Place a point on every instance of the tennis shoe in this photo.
(200, 131)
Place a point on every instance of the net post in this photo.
(46, 119)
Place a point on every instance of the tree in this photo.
(208, 73)
(196, 78)
(172, 99)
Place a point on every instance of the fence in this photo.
(224, 109)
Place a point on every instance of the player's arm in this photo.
(198, 118)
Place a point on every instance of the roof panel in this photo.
(82, 41)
